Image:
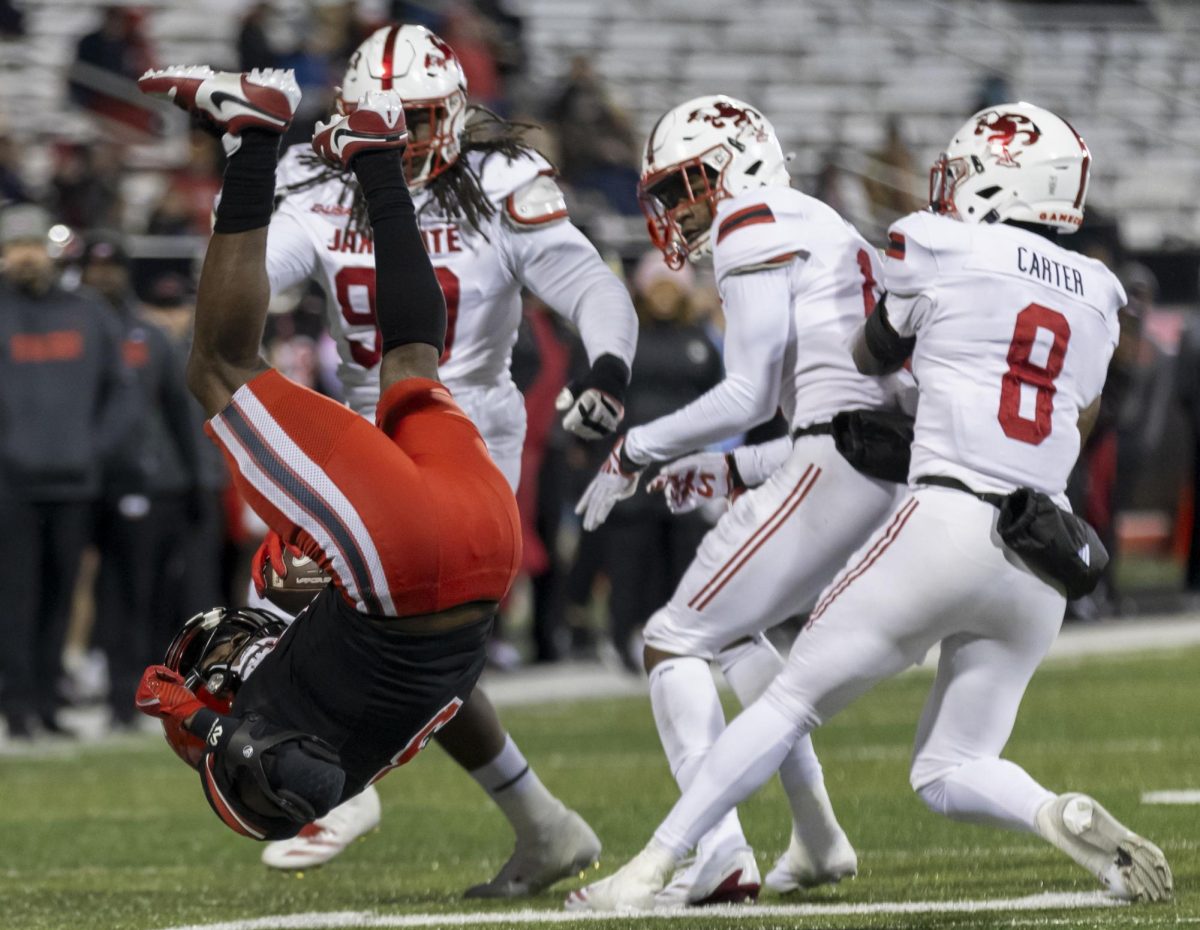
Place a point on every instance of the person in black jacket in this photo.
(67, 402)
(149, 498)
(645, 550)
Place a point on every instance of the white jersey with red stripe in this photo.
(796, 281)
(481, 271)
(1014, 336)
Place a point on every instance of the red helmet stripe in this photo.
(223, 808)
(1083, 171)
(389, 58)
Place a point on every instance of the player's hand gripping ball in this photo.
(285, 576)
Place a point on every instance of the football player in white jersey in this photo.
(795, 282)
(1010, 336)
(493, 221)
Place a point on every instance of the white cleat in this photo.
(562, 848)
(631, 888)
(377, 122)
(328, 837)
(796, 868)
(728, 876)
(265, 98)
(1129, 866)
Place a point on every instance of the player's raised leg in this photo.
(552, 841)
(252, 110)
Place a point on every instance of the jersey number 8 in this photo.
(1022, 370)
(368, 355)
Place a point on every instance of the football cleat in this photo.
(1129, 866)
(631, 888)
(798, 868)
(265, 98)
(563, 847)
(328, 837)
(376, 123)
(728, 876)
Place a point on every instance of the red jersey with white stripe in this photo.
(481, 271)
(1014, 336)
(410, 517)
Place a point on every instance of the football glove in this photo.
(616, 480)
(270, 553)
(693, 480)
(594, 407)
(162, 693)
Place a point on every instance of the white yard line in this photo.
(1186, 796)
(336, 920)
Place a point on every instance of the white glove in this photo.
(694, 480)
(592, 415)
(611, 484)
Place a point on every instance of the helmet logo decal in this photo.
(1005, 129)
(432, 59)
(720, 113)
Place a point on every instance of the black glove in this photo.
(595, 406)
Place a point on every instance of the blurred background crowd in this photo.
(118, 519)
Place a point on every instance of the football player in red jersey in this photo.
(412, 520)
(494, 223)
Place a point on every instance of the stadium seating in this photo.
(828, 72)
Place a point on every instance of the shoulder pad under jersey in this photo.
(758, 229)
(500, 175)
(539, 203)
(919, 247)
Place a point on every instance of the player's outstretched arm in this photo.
(409, 305)
(252, 110)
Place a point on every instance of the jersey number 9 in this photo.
(367, 354)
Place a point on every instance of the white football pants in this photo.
(935, 571)
(499, 412)
(772, 552)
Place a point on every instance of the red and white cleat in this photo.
(265, 98)
(376, 123)
(728, 876)
(631, 888)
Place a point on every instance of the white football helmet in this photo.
(425, 72)
(706, 149)
(1015, 161)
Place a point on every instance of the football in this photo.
(305, 579)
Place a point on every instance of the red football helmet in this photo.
(214, 651)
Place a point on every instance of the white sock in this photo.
(688, 714)
(749, 668)
(513, 784)
(988, 791)
(745, 757)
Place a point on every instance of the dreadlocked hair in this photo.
(456, 193)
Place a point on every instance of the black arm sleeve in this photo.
(883, 342)
(409, 305)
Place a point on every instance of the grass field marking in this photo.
(1185, 796)
(336, 920)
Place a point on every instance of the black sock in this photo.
(248, 191)
(409, 305)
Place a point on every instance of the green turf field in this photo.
(119, 837)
